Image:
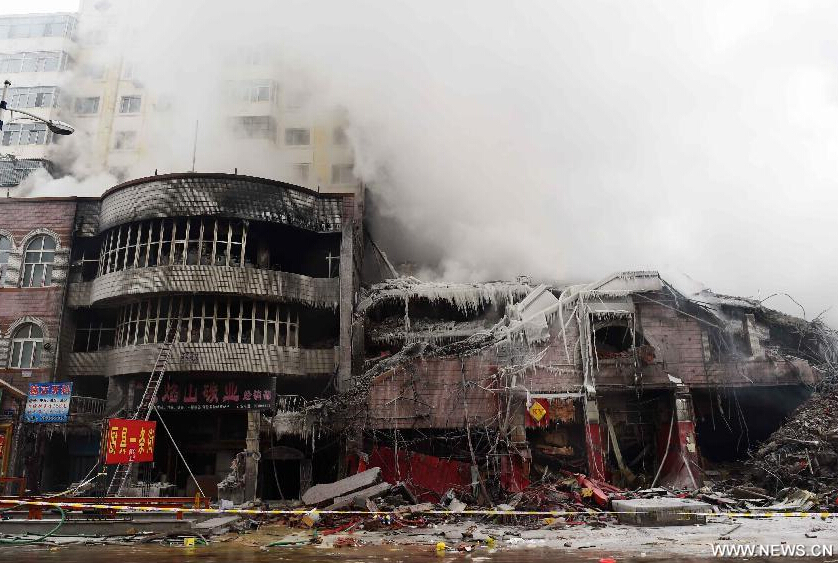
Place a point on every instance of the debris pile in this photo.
(804, 451)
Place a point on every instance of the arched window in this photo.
(5, 250)
(27, 345)
(37, 262)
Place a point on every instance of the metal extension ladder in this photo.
(123, 470)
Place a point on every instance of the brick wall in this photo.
(430, 394)
(21, 219)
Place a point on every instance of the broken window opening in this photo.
(95, 330)
(615, 340)
(208, 319)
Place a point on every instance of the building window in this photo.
(87, 105)
(37, 262)
(342, 174)
(297, 137)
(27, 344)
(125, 140)
(252, 90)
(339, 136)
(5, 251)
(35, 61)
(25, 134)
(207, 320)
(192, 241)
(34, 97)
(130, 104)
(37, 26)
(299, 173)
(254, 127)
(95, 330)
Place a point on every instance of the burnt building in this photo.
(256, 276)
(284, 371)
(475, 387)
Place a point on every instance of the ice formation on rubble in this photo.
(467, 298)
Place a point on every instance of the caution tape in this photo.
(481, 512)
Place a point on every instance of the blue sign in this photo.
(48, 402)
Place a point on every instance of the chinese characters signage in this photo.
(48, 402)
(217, 393)
(129, 441)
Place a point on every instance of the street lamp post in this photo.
(57, 127)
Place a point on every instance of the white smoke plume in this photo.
(559, 139)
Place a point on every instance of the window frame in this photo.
(19, 343)
(292, 134)
(29, 268)
(126, 104)
(95, 109)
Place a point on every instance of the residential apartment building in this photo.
(71, 66)
(37, 54)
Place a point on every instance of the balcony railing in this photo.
(290, 403)
(87, 406)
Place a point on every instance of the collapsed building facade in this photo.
(286, 371)
(627, 380)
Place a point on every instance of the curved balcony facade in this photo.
(221, 357)
(225, 195)
(251, 282)
(251, 267)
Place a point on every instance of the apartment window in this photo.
(34, 97)
(339, 136)
(130, 104)
(297, 137)
(342, 174)
(182, 241)
(5, 251)
(25, 134)
(87, 105)
(206, 320)
(27, 344)
(36, 61)
(125, 140)
(37, 262)
(255, 127)
(37, 26)
(260, 92)
(95, 330)
(299, 173)
(252, 90)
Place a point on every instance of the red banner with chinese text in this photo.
(129, 441)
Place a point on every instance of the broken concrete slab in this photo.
(456, 505)
(327, 491)
(219, 525)
(414, 508)
(363, 495)
(661, 511)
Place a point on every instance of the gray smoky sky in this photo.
(564, 140)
